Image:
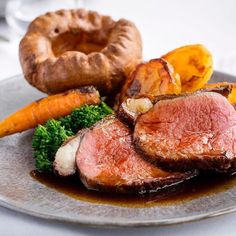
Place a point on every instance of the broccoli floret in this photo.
(85, 116)
(50, 136)
(46, 141)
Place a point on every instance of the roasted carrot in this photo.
(54, 106)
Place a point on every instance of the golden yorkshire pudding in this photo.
(72, 48)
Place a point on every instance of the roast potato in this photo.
(152, 78)
(194, 65)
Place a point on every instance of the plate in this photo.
(20, 192)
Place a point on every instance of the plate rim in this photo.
(121, 223)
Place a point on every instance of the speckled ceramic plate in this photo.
(22, 193)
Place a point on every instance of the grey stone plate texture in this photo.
(21, 192)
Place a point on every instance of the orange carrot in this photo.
(54, 106)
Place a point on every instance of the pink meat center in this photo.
(107, 155)
(203, 124)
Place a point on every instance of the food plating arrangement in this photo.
(114, 124)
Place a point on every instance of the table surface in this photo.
(164, 25)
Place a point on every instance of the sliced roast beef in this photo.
(196, 131)
(107, 161)
(131, 108)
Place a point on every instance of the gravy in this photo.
(195, 188)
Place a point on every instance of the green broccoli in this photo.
(46, 141)
(85, 117)
(50, 136)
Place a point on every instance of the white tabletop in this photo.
(164, 25)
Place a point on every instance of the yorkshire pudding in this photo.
(72, 48)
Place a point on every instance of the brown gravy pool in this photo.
(200, 186)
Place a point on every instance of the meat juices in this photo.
(107, 161)
(196, 131)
